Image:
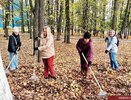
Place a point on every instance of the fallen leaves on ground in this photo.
(68, 84)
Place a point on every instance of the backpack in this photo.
(118, 42)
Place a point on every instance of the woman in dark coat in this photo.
(14, 46)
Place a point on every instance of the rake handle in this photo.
(10, 61)
(92, 73)
(36, 52)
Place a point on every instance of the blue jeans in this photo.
(113, 60)
(14, 62)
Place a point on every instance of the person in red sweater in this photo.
(84, 45)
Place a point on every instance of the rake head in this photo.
(102, 93)
(7, 71)
(34, 77)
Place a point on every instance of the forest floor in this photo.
(68, 85)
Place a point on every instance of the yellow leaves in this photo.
(25, 83)
(129, 89)
(68, 84)
(74, 86)
(84, 97)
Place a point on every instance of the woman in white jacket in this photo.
(47, 52)
(112, 49)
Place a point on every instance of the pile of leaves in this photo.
(68, 84)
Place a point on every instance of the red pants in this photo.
(49, 67)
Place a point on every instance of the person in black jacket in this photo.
(14, 46)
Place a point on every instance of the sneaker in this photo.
(54, 77)
(113, 68)
(17, 67)
(12, 69)
(83, 78)
(47, 77)
(116, 69)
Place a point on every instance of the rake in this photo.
(34, 77)
(101, 93)
(7, 69)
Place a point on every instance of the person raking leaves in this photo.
(84, 45)
(14, 45)
(47, 52)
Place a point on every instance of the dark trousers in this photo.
(84, 66)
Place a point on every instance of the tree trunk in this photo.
(85, 16)
(7, 15)
(67, 10)
(121, 13)
(41, 17)
(3, 19)
(13, 13)
(52, 19)
(28, 17)
(31, 21)
(55, 15)
(95, 18)
(72, 22)
(65, 35)
(31, 6)
(22, 16)
(114, 19)
(121, 10)
(129, 21)
(48, 12)
(125, 20)
(103, 20)
(35, 25)
(28, 22)
(40, 22)
(59, 20)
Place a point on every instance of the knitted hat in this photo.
(86, 35)
(16, 29)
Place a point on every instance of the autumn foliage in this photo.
(68, 84)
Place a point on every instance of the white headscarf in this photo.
(16, 29)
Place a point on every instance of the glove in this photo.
(39, 48)
(81, 51)
(106, 39)
(18, 49)
(15, 52)
(106, 51)
(37, 38)
(19, 44)
(89, 63)
(36, 48)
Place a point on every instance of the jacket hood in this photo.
(49, 34)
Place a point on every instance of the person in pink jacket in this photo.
(47, 52)
(84, 45)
